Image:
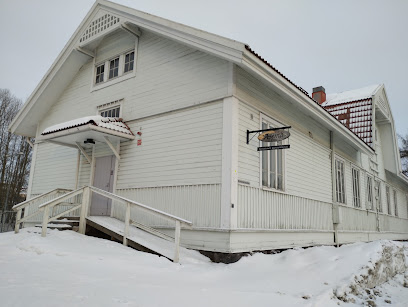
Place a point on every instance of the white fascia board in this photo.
(59, 61)
(211, 43)
(253, 63)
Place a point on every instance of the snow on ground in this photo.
(69, 269)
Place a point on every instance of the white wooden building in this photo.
(187, 99)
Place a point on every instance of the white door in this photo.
(103, 179)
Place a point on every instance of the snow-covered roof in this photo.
(111, 123)
(353, 95)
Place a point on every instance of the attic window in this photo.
(100, 71)
(115, 69)
(129, 61)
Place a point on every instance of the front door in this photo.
(103, 179)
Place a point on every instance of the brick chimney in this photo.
(319, 94)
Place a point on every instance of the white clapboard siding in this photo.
(169, 76)
(262, 209)
(353, 219)
(177, 148)
(114, 44)
(393, 224)
(307, 163)
(266, 100)
(55, 167)
(199, 204)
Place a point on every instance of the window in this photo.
(113, 68)
(387, 192)
(378, 195)
(395, 203)
(129, 61)
(356, 187)
(340, 193)
(100, 71)
(112, 112)
(272, 162)
(369, 193)
(406, 200)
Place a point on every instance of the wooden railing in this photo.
(19, 207)
(178, 221)
(84, 205)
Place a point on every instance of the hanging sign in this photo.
(273, 147)
(271, 135)
(274, 136)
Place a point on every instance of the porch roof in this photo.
(91, 127)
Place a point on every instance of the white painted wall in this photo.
(169, 76)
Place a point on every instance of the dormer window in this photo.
(113, 68)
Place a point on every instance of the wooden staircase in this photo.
(64, 223)
(129, 232)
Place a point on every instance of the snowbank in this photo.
(66, 268)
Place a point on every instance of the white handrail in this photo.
(142, 206)
(86, 191)
(128, 202)
(29, 201)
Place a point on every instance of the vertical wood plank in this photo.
(84, 210)
(45, 221)
(18, 218)
(177, 242)
(127, 222)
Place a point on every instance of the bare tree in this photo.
(15, 154)
(404, 153)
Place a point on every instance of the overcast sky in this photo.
(341, 45)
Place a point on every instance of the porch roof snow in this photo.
(111, 123)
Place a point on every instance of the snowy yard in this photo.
(69, 269)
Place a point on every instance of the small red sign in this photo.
(139, 142)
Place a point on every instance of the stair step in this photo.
(66, 221)
(56, 226)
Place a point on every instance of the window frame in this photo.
(111, 105)
(369, 192)
(122, 76)
(274, 123)
(115, 69)
(377, 195)
(131, 61)
(395, 197)
(388, 198)
(356, 187)
(343, 191)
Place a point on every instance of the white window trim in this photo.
(336, 157)
(277, 124)
(379, 201)
(111, 105)
(372, 192)
(395, 198)
(358, 185)
(389, 204)
(122, 76)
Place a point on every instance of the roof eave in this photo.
(252, 62)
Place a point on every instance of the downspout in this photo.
(335, 206)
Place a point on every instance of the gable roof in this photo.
(74, 55)
(354, 109)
